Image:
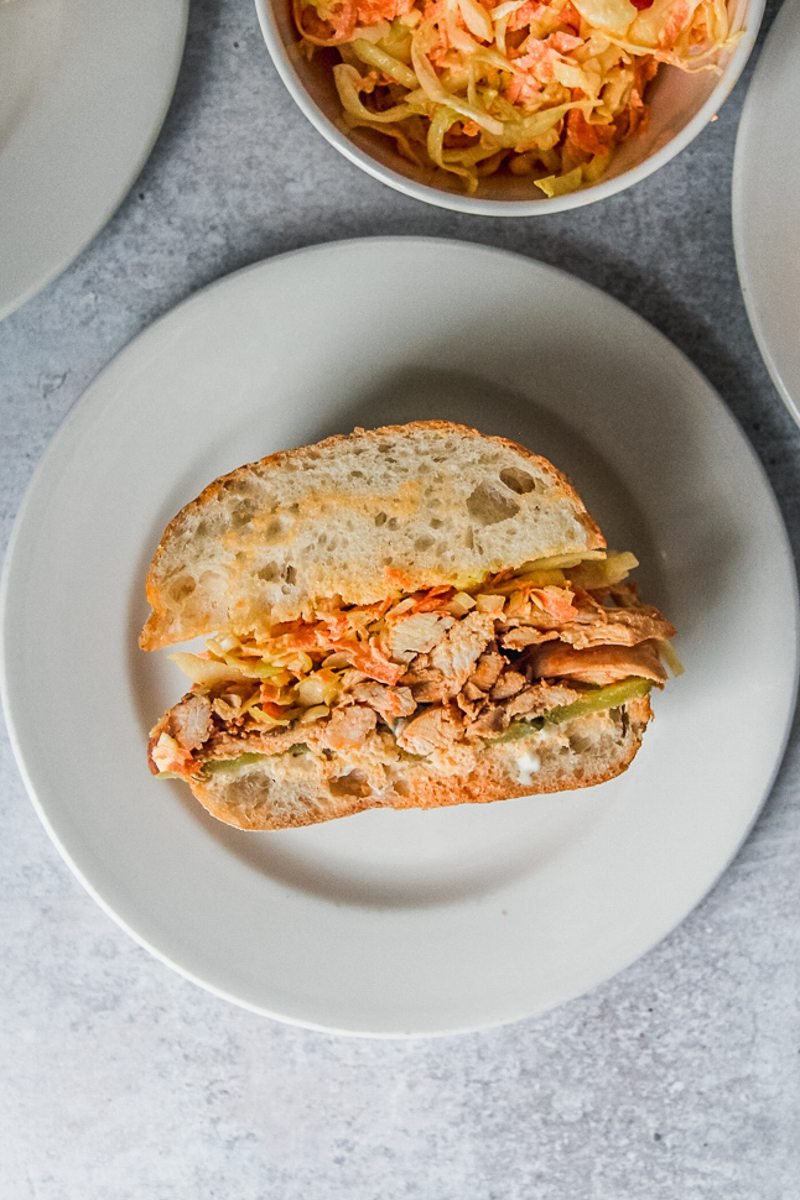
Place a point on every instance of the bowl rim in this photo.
(479, 206)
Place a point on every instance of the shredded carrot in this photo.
(588, 138)
(556, 601)
(369, 660)
(435, 598)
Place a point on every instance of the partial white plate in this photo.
(85, 88)
(766, 204)
(411, 922)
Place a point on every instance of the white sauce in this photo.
(527, 766)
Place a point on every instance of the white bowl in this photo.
(681, 105)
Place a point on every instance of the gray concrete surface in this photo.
(678, 1080)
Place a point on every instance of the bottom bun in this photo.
(286, 790)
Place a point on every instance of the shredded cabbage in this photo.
(546, 89)
(605, 573)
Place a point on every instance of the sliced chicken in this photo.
(532, 702)
(427, 685)
(490, 723)
(471, 701)
(389, 703)
(349, 678)
(348, 727)
(487, 670)
(616, 627)
(539, 699)
(599, 664)
(262, 741)
(431, 730)
(458, 653)
(509, 683)
(622, 627)
(441, 675)
(526, 635)
(418, 634)
(190, 721)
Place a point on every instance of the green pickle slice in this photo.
(595, 700)
(611, 696)
(218, 765)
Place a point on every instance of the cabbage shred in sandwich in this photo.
(407, 617)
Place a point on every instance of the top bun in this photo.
(359, 518)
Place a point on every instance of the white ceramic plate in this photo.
(766, 208)
(85, 87)
(411, 922)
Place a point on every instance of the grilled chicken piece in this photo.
(490, 723)
(418, 634)
(471, 701)
(540, 698)
(389, 703)
(185, 728)
(441, 675)
(526, 635)
(427, 685)
(348, 727)
(531, 702)
(227, 744)
(351, 677)
(431, 730)
(509, 683)
(189, 722)
(615, 627)
(457, 654)
(599, 664)
(486, 673)
(624, 627)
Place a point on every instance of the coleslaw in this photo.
(554, 639)
(546, 89)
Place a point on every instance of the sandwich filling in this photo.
(420, 674)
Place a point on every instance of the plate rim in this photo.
(81, 410)
(786, 13)
(40, 280)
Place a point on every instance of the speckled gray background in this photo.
(679, 1080)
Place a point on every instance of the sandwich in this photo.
(408, 617)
